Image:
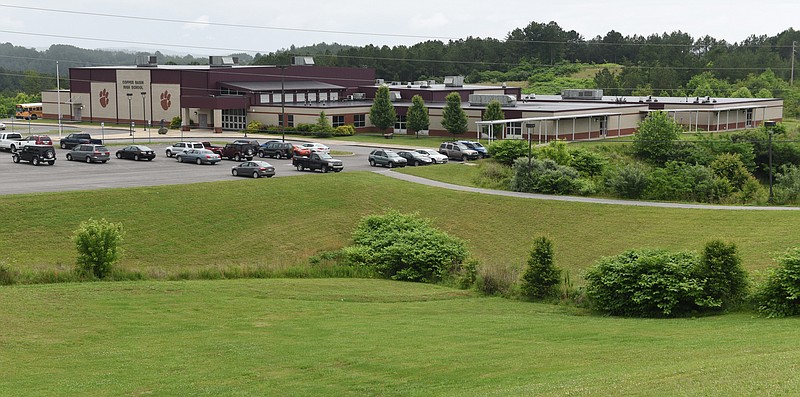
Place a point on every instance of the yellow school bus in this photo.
(29, 111)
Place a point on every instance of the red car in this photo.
(33, 140)
(214, 148)
(301, 151)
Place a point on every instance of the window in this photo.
(300, 96)
(400, 123)
(277, 98)
(323, 96)
(334, 96)
(337, 121)
(312, 96)
(289, 119)
(263, 98)
(514, 130)
(360, 120)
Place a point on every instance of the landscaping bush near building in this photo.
(508, 150)
(406, 247)
(546, 176)
(779, 295)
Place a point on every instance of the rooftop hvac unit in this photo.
(595, 95)
(147, 61)
(303, 61)
(359, 96)
(454, 81)
(484, 99)
(222, 62)
(394, 96)
(424, 84)
(380, 81)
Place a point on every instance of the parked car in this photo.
(31, 140)
(214, 148)
(317, 161)
(276, 149)
(2, 126)
(252, 142)
(238, 151)
(180, 147)
(89, 153)
(74, 139)
(136, 152)
(414, 158)
(458, 151)
(256, 169)
(437, 157)
(299, 150)
(199, 156)
(476, 146)
(35, 154)
(316, 147)
(9, 138)
(388, 158)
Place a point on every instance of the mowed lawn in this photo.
(279, 223)
(350, 337)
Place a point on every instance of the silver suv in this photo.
(387, 158)
(458, 151)
(180, 147)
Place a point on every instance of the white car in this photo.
(316, 147)
(2, 126)
(437, 157)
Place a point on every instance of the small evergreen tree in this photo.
(721, 268)
(417, 116)
(542, 276)
(382, 113)
(454, 119)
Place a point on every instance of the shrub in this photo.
(255, 125)
(545, 176)
(556, 151)
(508, 150)
(655, 138)
(587, 162)
(97, 243)
(779, 295)
(496, 280)
(406, 247)
(175, 123)
(628, 181)
(721, 268)
(493, 175)
(731, 167)
(541, 277)
(647, 283)
(679, 181)
(345, 130)
(787, 184)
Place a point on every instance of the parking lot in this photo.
(76, 175)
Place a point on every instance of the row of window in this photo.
(299, 97)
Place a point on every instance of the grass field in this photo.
(279, 223)
(345, 337)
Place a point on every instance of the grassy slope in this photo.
(344, 337)
(277, 223)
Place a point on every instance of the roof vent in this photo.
(222, 62)
(303, 61)
(594, 95)
(146, 61)
(453, 81)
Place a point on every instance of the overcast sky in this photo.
(265, 26)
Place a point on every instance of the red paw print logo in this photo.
(165, 100)
(104, 98)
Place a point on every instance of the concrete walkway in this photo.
(535, 196)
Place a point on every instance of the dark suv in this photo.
(276, 149)
(386, 158)
(36, 154)
(238, 151)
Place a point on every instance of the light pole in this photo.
(144, 111)
(770, 127)
(283, 110)
(130, 113)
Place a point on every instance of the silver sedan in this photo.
(199, 156)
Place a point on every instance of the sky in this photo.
(202, 27)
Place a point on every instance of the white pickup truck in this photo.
(9, 138)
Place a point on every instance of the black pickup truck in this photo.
(317, 161)
(72, 140)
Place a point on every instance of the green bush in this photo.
(545, 176)
(406, 247)
(786, 188)
(255, 125)
(508, 150)
(496, 280)
(175, 123)
(720, 267)
(628, 181)
(730, 167)
(587, 162)
(541, 277)
(344, 130)
(556, 151)
(679, 181)
(655, 138)
(779, 295)
(493, 175)
(97, 243)
(647, 283)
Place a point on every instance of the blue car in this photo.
(476, 146)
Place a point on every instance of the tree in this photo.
(542, 276)
(454, 119)
(721, 268)
(494, 111)
(655, 138)
(382, 113)
(97, 243)
(417, 116)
